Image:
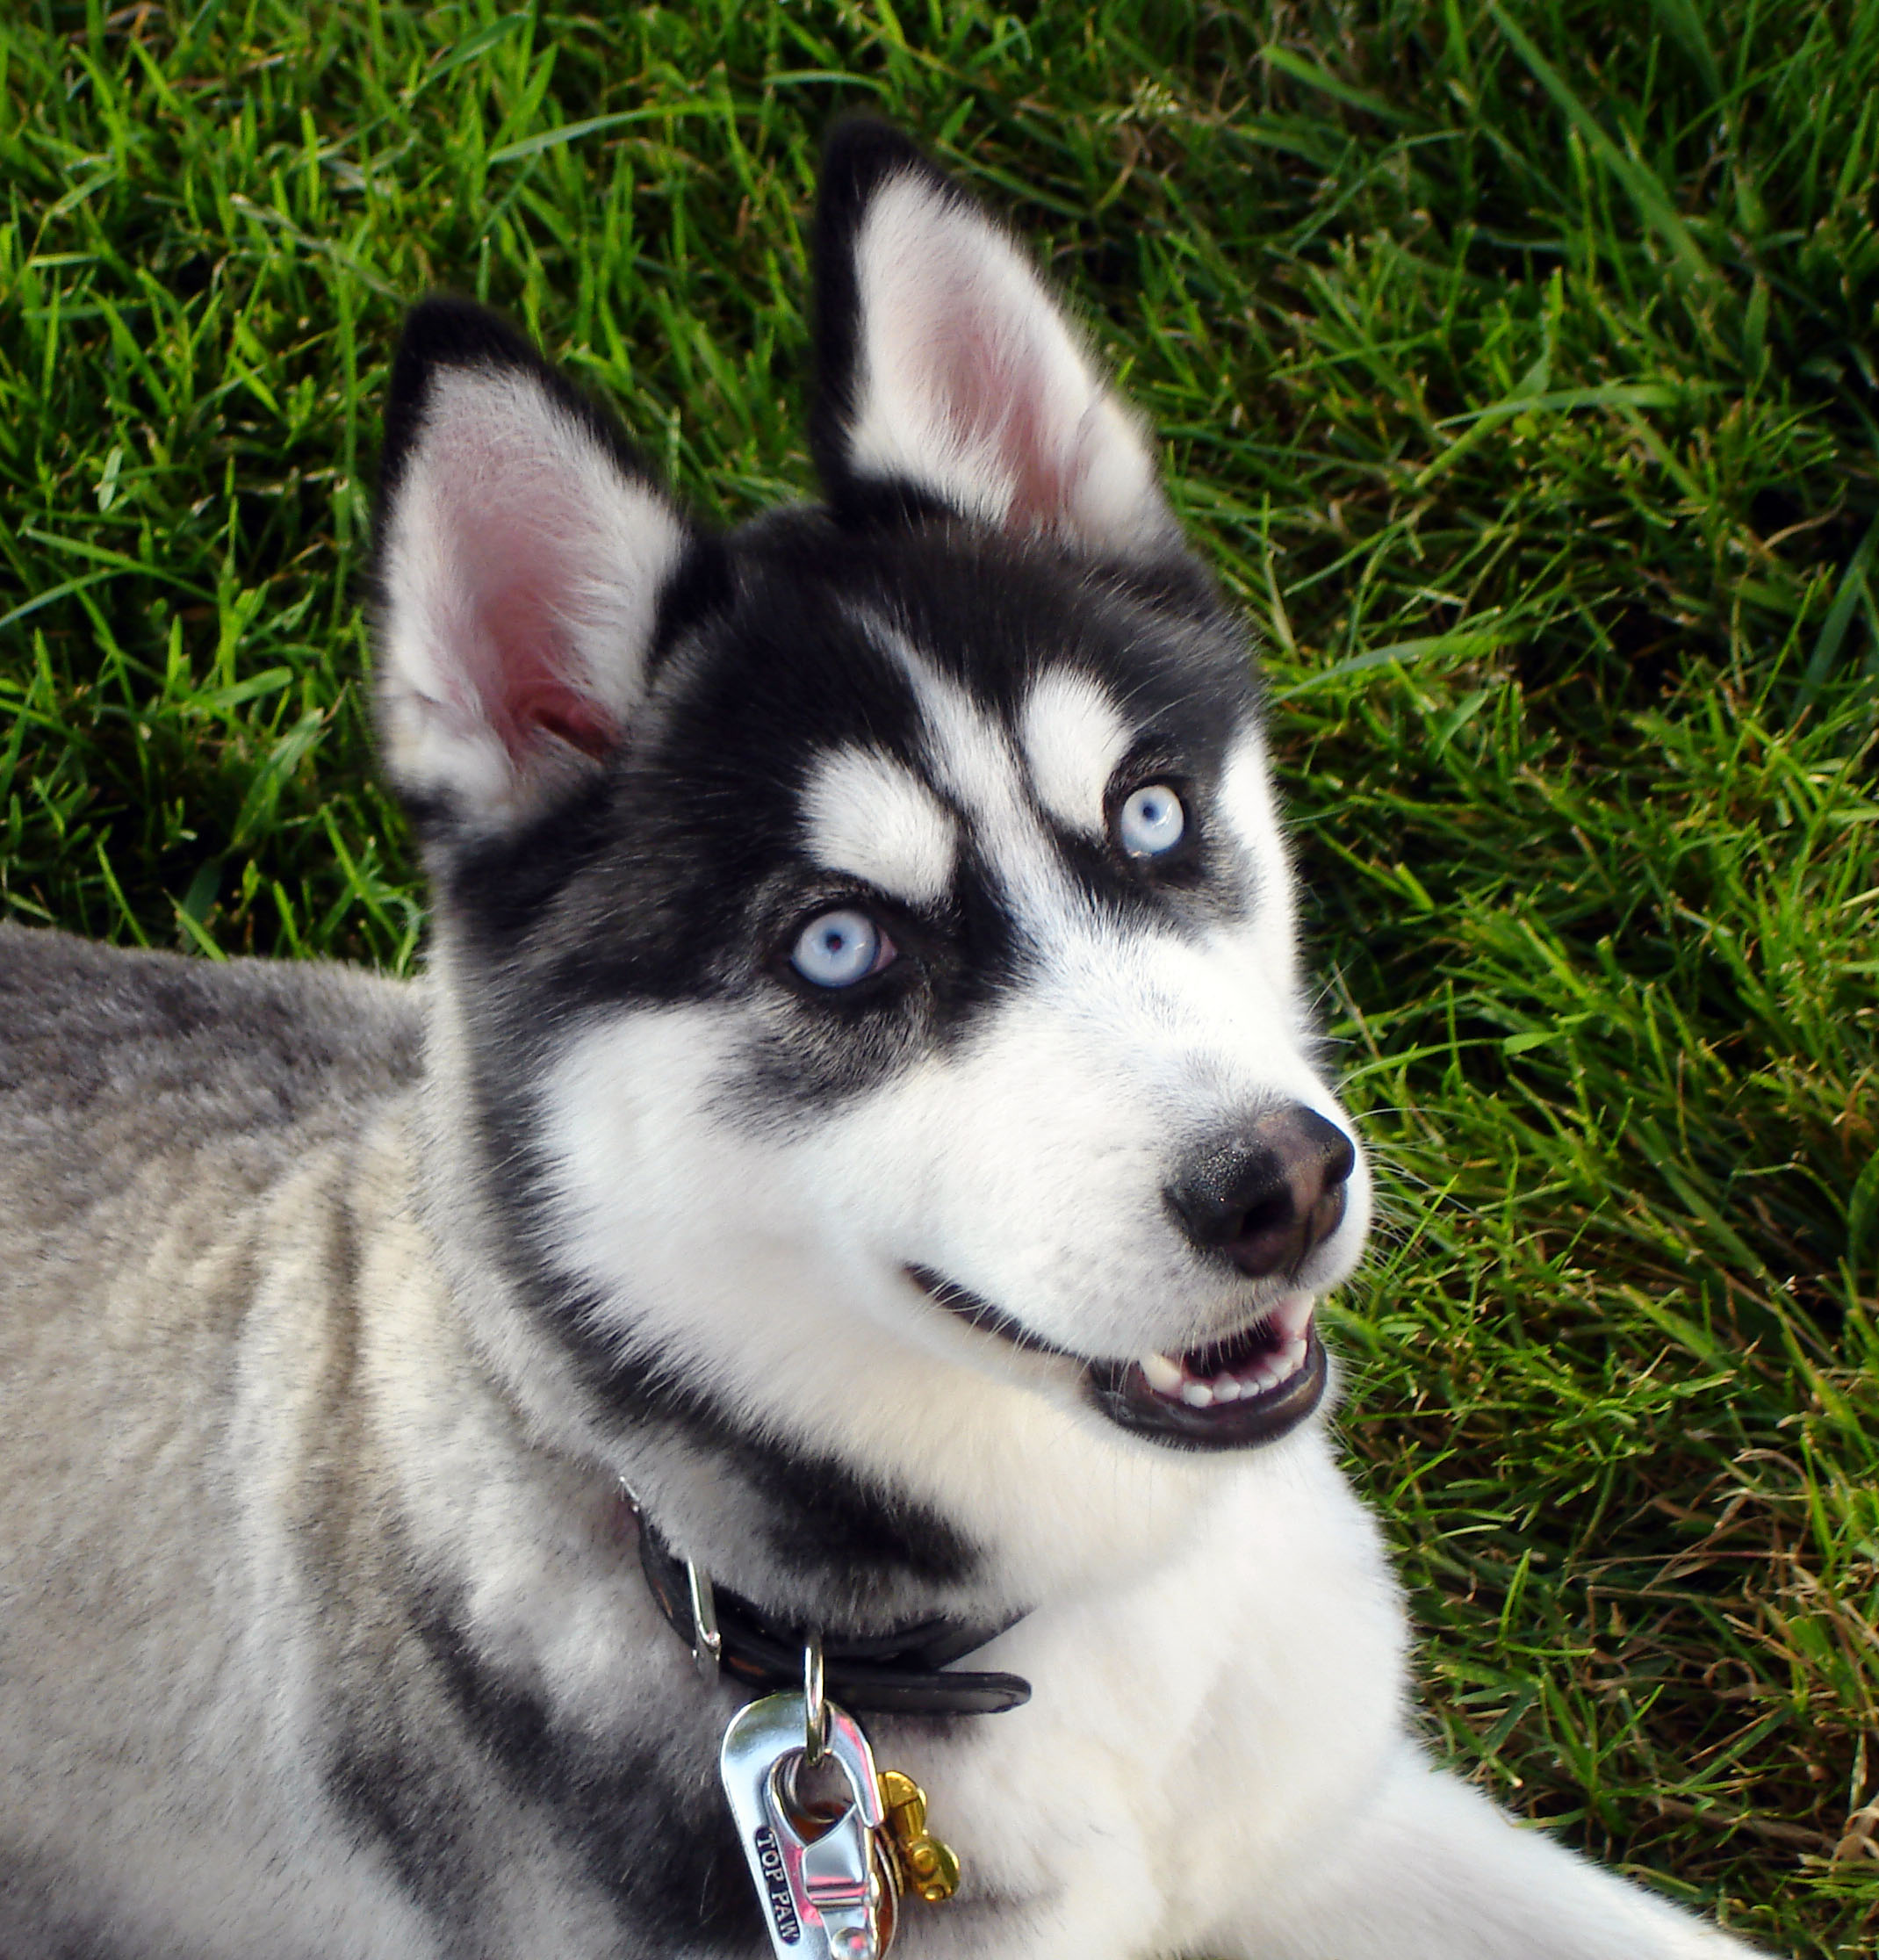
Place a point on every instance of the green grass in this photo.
(1515, 367)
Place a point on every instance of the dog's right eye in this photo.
(838, 948)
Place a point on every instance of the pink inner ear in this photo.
(558, 709)
(521, 578)
(993, 387)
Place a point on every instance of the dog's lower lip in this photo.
(1251, 1387)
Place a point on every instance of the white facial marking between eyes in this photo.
(868, 816)
(1074, 737)
(1152, 821)
(972, 760)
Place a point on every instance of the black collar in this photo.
(896, 1673)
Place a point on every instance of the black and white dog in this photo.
(864, 1102)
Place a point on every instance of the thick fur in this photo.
(333, 1310)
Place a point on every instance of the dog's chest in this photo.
(1222, 1709)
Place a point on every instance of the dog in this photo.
(842, 1215)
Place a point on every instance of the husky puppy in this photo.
(864, 1101)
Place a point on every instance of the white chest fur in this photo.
(1218, 1713)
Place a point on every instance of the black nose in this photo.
(1268, 1192)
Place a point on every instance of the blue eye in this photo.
(840, 948)
(1151, 822)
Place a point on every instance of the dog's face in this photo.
(871, 932)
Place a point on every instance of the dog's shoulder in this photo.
(189, 1052)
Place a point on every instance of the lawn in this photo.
(1514, 366)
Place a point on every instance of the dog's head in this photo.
(868, 936)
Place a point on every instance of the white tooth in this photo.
(1197, 1395)
(1226, 1387)
(1294, 1314)
(1164, 1376)
(1265, 1377)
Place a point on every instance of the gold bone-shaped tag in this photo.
(927, 1866)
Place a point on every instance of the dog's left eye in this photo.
(840, 947)
(1151, 822)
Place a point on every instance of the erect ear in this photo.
(947, 373)
(522, 554)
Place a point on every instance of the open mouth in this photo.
(1253, 1387)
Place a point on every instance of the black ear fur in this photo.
(860, 153)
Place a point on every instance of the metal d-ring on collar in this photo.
(708, 1644)
(815, 1705)
(905, 1671)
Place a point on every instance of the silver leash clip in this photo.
(823, 1890)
